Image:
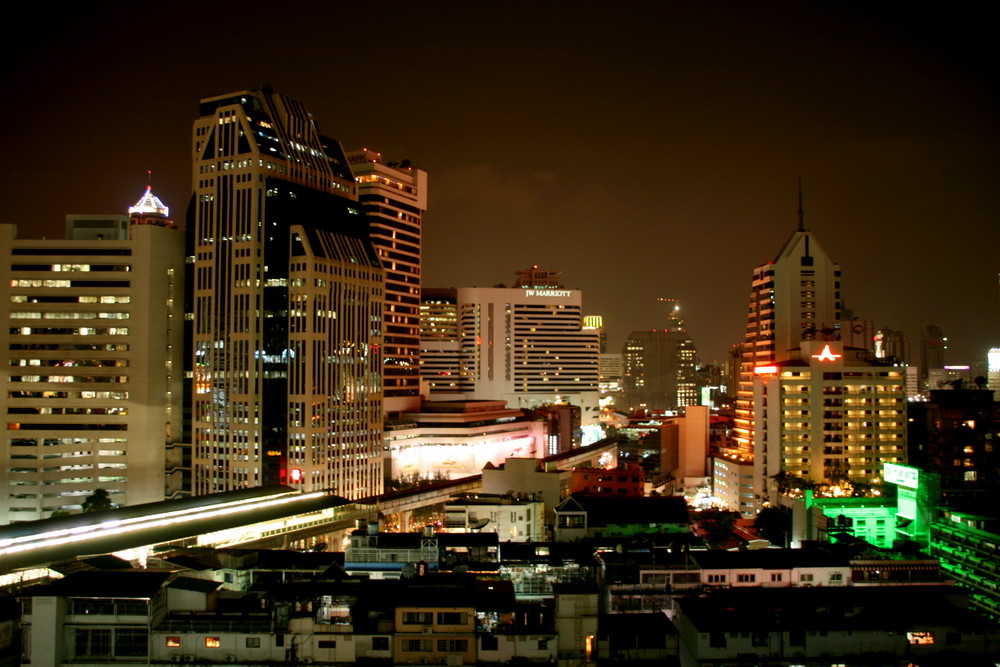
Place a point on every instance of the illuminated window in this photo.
(213, 642)
(173, 642)
(920, 637)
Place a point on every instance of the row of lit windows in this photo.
(67, 331)
(66, 315)
(60, 268)
(24, 298)
(72, 363)
(117, 395)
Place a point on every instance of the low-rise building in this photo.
(535, 567)
(889, 625)
(624, 481)
(587, 516)
(772, 568)
(451, 439)
(636, 639)
(732, 483)
(511, 517)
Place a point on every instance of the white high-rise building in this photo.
(394, 197)
(526, 345)
(286, 304)
(993, 369)
(828, 415)
(813, 405)
(93, 395)
(793, 298)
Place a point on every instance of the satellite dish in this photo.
(478, 524)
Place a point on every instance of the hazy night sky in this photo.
(644, 149)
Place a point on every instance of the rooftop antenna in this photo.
(802, 227)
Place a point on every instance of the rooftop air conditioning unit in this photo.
(175, 658)
(230, 658)
(189, 658)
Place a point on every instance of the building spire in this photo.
(802, 226)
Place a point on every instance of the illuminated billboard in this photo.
(901, 475)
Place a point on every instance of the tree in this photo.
(773, 525)
(99, 500)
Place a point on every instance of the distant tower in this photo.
(394, 197)
(596, 322)
(149, 210)
(794, 298)
(933, 344)
(659, 366)
(891, 346)
(993, 369)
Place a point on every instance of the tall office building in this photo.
(659, 367)
(444, 367)
(993, 369)
(286, 305)
(394, 197)
(94, 342)
(794, 297)
(933, 344)
(525, 344)
(596, 322)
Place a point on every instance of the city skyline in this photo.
(647, 153)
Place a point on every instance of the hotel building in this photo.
(792, 298)
(827, 415)
(286, 302)
(526, 345)
(93, 391)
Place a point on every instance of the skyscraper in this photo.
(394, 197)
(933, 344)
(794, 297)
(811, 406)
(524, 344)
(93, 394)
(659, 366)
(286, 302)
(829, 415)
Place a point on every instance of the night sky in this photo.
(643, 149)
